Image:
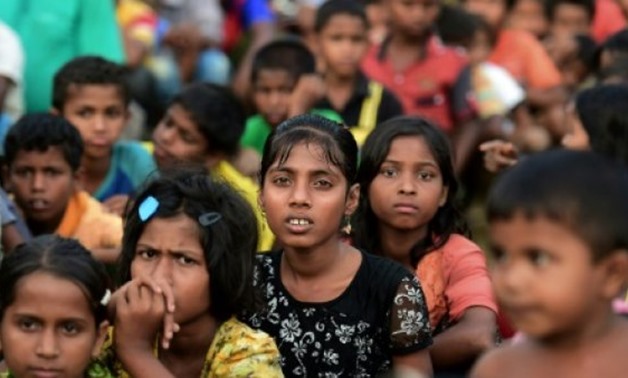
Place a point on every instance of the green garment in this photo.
(55, 31)
(257, 129)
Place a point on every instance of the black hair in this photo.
(229, 244)
(446, 221)
(616, 45)
(332, 8)
(40, 131)
(335, 139)
(61, 257)
(587, 51)
(285, 54)
(88, 70)
(587, 5)
(217, 113)
(581, 190)
(455, 25)
(602, 111)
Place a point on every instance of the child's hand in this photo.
(127, 304)
(499, 155)
(116, 204)
(309, 90)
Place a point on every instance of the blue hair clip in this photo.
(147, 208)
(208, 219)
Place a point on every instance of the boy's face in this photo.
(99, 114)
(529, 15)
(42, 183)
(414, 18)
(272, 93)
(543, 276)
(570, 19)
(493, 11)
(177, 139)
(480, 47)
(342, 44)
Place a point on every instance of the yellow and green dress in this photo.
(236, 351)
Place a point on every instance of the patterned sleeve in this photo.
(409, 319)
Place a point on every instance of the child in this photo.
(193, 238)
(525, 58)
(570, 17)
(284, 84)
(595, 120)
(52, 310)
(407, 213)
(43, 155)
(560, 246)
(333, 309)
(341, 35)
(91, 93)
(413, 63)
(203, 126)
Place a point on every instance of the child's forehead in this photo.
(52, 156)
(275, 74)
(109, 92)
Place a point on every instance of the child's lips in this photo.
(38, 204)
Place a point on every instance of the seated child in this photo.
(91, 93)
(341, 34)
(203, 126)
(192, 238)
(43, 156)
(413, 62)
(53, 314)
(408, 213)
(560, 247)
(284, 84)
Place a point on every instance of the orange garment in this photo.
(455, 278)
(521, 54)
(607, 21)
(86, 220)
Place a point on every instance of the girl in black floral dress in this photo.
(332, 309)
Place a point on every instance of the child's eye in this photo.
(113, 113)
(147, 254)
(322, 183)
(539, 258)
(29, 324)
(426, 175)
(85, 113)
(388, 172)
(184, 260)
(498, 255)
(70, 328)
(281, 181)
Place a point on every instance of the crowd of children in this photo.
(250, 188)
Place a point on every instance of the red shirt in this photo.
(424, 87)
(607, 21)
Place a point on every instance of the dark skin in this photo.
(261, 33)
(473, 334)
(11, 237)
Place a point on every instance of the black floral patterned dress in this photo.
(382, 313)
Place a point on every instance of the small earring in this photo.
(346, 229)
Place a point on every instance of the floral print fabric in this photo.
(381, 313)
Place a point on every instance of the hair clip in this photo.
(208, 219)
(105, 298)
(147, 208)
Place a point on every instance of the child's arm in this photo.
(309, 90)
(116, 204)
(140, 312)
(499, 155)
(465, 341)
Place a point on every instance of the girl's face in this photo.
(49, 330)
(576, 137)
(544, 277)
(169, 251)
(408, 190)
(306, 197)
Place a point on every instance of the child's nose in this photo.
(407, 185)
(47, 346)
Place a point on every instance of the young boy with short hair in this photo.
(43, 156)
(341, 32)
(91, 93)
(571, 17)
(203, 126)
(284, 84)
(414, 64)
(560, 246)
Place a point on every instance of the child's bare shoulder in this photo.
(511, 358)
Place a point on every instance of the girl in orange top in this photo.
(406, 213)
